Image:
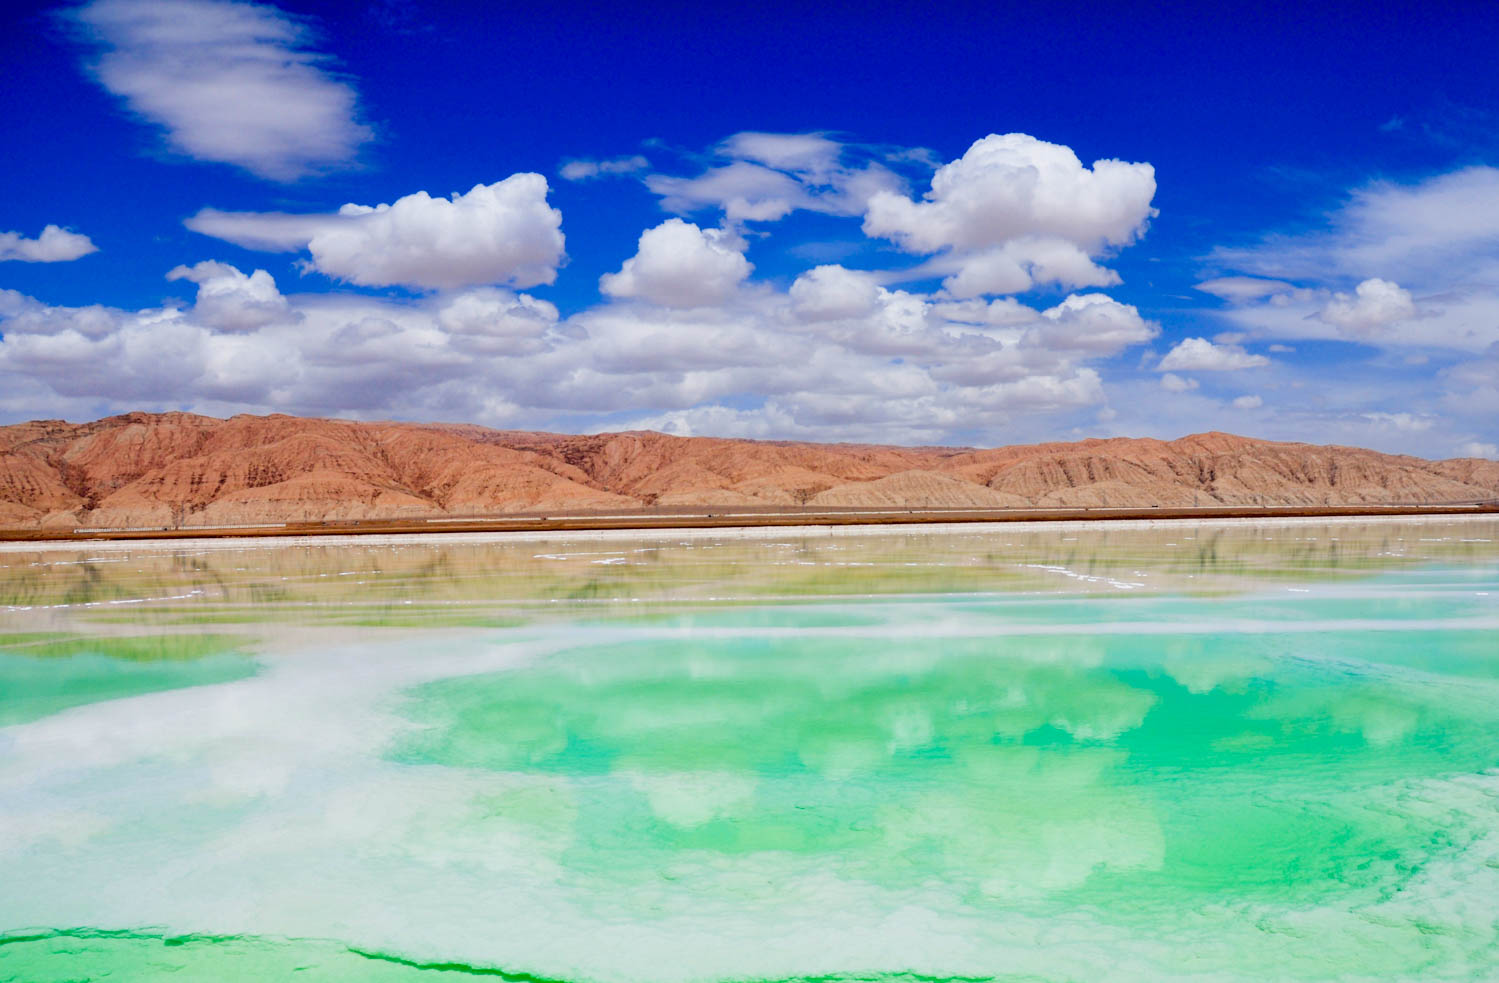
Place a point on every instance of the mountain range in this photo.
(182, 469)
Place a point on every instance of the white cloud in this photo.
(54, 245)
(746, 192)
(763, 177)
(1015, 210)
(328, 354)
(13, 303)
(1242, 288)
(1478, 448)
(1279, 349)
(1408, 422)
(228, 300)
(907, 368)
(275, 232)
(769, 420)
(829, 293)
(583, 170)
(501, 233)
(904, 324)
(231, 82)
(1094, 324)
(1017, 266)
(1373, 304)
(1010, 186)
(1248, 402)
(1201, 355)
(876, 364)
(680, 265)
(799, 153)
(1001, 312)
(491, 321)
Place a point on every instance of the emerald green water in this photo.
(1213, 752)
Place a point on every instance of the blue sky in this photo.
(977, 224)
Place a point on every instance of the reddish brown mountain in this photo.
(145, 469)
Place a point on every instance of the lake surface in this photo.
(1190, 752)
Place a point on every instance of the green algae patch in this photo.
(49, 676)
(82, 954)
(134, 648)
(72, 955)
(10, 640)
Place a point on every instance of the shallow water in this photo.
(1192, 752)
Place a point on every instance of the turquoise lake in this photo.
(1195, 751)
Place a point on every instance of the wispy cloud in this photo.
(763, 177)
(1422, 259)
(583, 170)
(231, 82)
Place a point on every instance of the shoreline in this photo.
(708, 517)
(739, 531)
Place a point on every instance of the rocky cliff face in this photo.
(178, 469)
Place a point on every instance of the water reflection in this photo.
(423, 581)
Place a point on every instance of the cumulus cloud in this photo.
(762, 177)
(1019, 265)
(327, 354)
(1250, 402)
(682, 337)
(501, 233)
(1173, 383)
(1201, 355)
(583, 170)
(1373, 304)
(229, 81)
(54, 245)
(837, 357)
(678, 264)
(1015, 185)
(829, 293)
(493, 322)
(1095, 324)
(1015, 210)
(228, 300)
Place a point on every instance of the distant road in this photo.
(708, 518)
